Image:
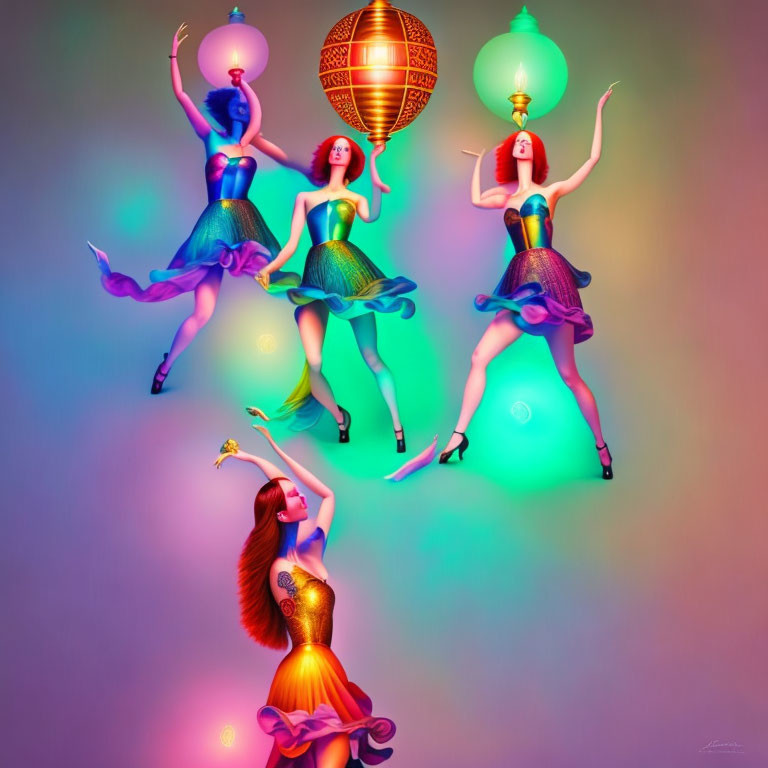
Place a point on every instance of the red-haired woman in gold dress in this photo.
(318, 718)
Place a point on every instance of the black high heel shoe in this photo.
(461, 447)
(344, 427)
(400, 440)
(159, 378)
(607, 468)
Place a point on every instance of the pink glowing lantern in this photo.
(233, 51)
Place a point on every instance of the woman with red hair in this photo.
(539, 292)
(316, 716)
(339, 278)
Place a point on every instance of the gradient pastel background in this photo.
(513, 610)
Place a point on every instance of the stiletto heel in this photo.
(400, 440)
(461, 447)
(344, 426)
(607, 468)
(159, 378)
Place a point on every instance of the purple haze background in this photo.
(514, 610)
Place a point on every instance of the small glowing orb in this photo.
(267, 343)
(521, 412)
(227, 736)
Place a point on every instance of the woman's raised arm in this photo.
(371, 214)
(572, 183)
(328, 501)
(231, 449)
(254, 107)
(199, 123)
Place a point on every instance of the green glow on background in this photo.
(137, 208)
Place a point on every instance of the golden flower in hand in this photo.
(231, 446)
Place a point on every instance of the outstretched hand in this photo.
(230, 448)
(221, 458)
(177, 40)
(606, 95)
(265, 432)
(473, 153)
(256, 412)
(262, 278)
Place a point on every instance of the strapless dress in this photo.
(340, 274)
(540, 287)
(230, 234)
(311, 697)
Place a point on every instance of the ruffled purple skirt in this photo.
(541, 289)
(293, 730)
(230, 235)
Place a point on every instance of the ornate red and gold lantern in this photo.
(378, 68)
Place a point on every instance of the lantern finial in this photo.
(236, 16)
(524, 22)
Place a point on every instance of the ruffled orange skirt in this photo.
(311, 698)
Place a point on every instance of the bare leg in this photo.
(206, 293)
(560, 342)
(332, 751)
(312, 320)
(364, 328)
(497, 337)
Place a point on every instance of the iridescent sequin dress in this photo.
(224, 236)
(311, 697)
(340, 274)
(540, 286)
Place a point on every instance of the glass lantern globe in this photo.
(521, 60)
(233, 46)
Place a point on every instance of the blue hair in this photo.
(217, 103)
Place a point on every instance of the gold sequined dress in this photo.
(311, 697)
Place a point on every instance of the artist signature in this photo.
(723, 747)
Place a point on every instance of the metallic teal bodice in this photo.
(531, 226)
(331, 220)
(229, 178)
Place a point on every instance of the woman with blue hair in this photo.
(231, 234)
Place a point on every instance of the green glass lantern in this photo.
(523, 67)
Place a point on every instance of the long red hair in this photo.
(259, 613)
(321, 168)
(506, 165)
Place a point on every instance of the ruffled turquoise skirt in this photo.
(340, 274)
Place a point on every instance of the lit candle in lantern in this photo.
(521, 78)
(520, 99)
(236, 73)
